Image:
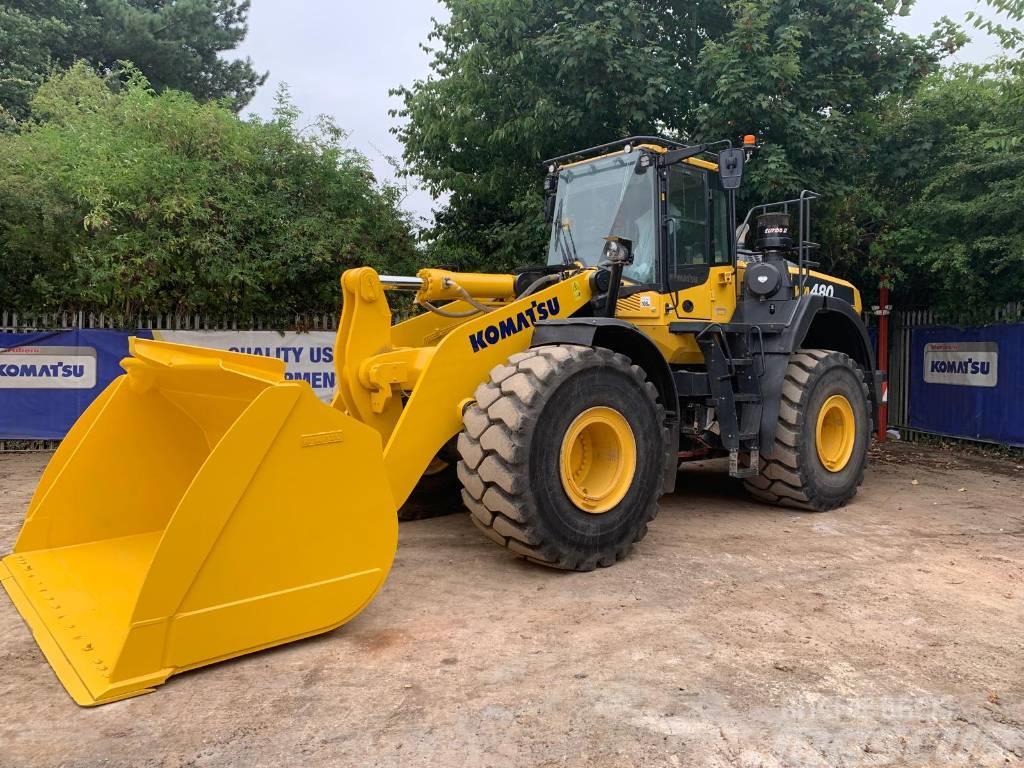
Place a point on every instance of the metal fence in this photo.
(901, 325)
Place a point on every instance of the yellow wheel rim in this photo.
(598, 459)
(836, 434)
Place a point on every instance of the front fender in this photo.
(624, 338)
(818, 322)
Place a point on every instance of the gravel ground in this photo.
(888, 633)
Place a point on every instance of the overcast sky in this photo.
(341, 58)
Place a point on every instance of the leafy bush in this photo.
(127, 201)
(952, 192)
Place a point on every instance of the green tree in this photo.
(30, 32)
(1009, 36)
(129, 201)
(808, 78)
(926, 214)
(514, 81)
(951, 193)
(176, 43)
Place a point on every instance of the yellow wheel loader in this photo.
(205, 507)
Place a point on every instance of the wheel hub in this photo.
(598, 459)
(836, 433)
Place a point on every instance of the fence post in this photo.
(884, 308)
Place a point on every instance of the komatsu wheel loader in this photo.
(205, 507)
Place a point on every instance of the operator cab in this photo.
(667, 211)
(670, 207)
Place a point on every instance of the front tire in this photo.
(822, 437)
(563, 456)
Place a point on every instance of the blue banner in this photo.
(47, 379)
(964, 382)
(969, 382)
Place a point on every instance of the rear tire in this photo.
(798, 475)
(438, 492)
(518, 441)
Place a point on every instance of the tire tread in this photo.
(782, 480)
(494, 462)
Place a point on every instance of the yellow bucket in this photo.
(203, 507)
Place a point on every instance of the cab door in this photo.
(700, 273)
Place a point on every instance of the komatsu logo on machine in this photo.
(537, 312)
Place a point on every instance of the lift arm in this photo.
(414, 395)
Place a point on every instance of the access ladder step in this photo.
(747, 397)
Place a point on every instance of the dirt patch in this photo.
(938, 454)
(888, 633)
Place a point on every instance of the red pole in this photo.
(883, 360)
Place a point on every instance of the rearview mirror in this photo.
(730, 167)
(617, 250)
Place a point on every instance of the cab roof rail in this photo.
(603, 148)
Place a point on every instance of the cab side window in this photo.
(688, 245)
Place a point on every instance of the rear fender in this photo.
(819, 322)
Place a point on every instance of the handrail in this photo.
(804, 242)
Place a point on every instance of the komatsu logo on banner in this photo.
(966, 364)
(510, 326)
(48, 368)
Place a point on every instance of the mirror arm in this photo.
(612, 300)
(550, 192)
(618, 252)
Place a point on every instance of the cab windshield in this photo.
(601, 198)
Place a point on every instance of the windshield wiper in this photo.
(572, 243)
(568, 258)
